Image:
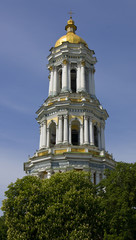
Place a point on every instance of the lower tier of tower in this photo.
(48, 161)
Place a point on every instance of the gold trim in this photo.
(80, 150)
(55, 119)
(50, 103)
(75, 116)
(62, 99)
(50, 68)
(60, 151)
(42, 153)
(75, 100)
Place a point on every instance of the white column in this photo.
(68, 76)
(83, 76)
(44, 135)
(81, 135)
(48, 138)
(55, 82)
(51, 82)
(78, 81)
(65, 77)
(86, 136)
(66, 129)
(91, 132)
(60, 130)
(69, 133)
(57, 134)
(40, 143)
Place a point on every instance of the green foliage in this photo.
(118, 191)
(64, 207)
(3, 228)
(68, 206)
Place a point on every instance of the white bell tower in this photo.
(71, 120)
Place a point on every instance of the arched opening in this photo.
(52, 134)
(60, 80)
(75, 133)
(73, 80)
(95, 136)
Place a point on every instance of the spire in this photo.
(70, 27)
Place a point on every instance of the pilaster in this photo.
(78, 80)
(60, 130)
(55, 82)
(65, 128)
(83, 76)
(86, 135)
(65, 76)
(81, 134)
(51, 81)
(44, 135)
(91, 131)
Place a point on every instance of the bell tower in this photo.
(72, 120)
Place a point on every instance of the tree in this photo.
(3, 228)
(118, 191)
(65, 206)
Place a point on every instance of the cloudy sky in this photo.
(28, 29)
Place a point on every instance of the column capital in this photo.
(60, 117)
(65, 62)
(51, 68)
(83, 63)
(45, 121)
(66, 116)
(86, 117)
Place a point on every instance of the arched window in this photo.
(75, 133)
(60, 80)
(73, 80)
(52, 134)
(95, 136)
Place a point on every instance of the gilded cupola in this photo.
(70, 36)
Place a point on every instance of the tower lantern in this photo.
(71, 119)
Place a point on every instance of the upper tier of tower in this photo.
(70, 37)
(71, 65)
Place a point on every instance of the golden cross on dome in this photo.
(70, 14)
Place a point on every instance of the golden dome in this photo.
(70, 37)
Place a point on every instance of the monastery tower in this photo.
(72, 120)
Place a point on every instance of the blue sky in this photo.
(28, 29)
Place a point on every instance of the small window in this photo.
(75, 133)
(75, 137)
(95, 136)
(73, 80)
(52, 134)
(60, 80)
